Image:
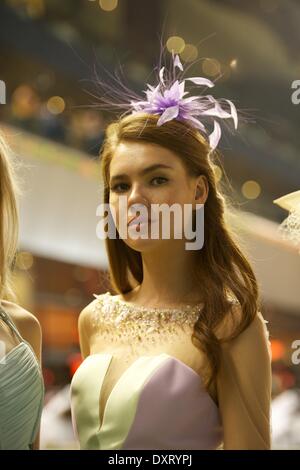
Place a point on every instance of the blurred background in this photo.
(51, 53)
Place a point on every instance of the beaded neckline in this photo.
(121, 322)
(137, 328)
(132, 307)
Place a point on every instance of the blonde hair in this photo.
(9, 222)
(223, 268)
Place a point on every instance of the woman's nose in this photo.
(137, 201)
(136, 195)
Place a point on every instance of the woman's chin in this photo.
(140, 240)
(142, 244)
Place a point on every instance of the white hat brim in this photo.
(289, 201)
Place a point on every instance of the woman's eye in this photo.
(160, 178)
(116, 187)
(122, 187)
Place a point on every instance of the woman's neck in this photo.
(168, 278)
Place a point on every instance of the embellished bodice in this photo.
(140, 387)
(138, 328)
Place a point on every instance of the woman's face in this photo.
(146, 174)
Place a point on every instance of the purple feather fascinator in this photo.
(170, 99)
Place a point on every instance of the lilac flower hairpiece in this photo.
(169, 102)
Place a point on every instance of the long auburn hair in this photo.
(9, 222)
(223, 268)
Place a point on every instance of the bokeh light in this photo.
(56, 105)
(24, 260)
(176, 44)
(189, 53)
(251, 189)
(108, 5)
(211, 67)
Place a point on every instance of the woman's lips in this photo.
(139, 221)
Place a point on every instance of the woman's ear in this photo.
(202, 190)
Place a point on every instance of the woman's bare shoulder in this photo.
(87, 322)
(230, 320)
(20, 316)
(27, 324)
(88, 314)
(234, 317)
(256, 333)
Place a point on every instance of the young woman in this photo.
(179, 358)
(21, 381)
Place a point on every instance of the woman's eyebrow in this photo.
(144, 171)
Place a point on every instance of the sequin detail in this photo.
(141, 324)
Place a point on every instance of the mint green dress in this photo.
(21, 393)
